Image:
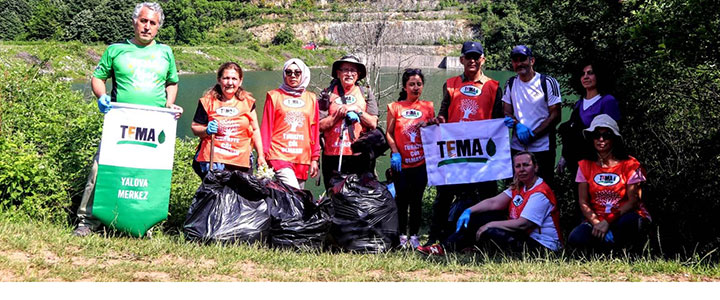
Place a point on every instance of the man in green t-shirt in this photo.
(143, 72)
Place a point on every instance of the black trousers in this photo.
(493, 238)
(410, 186)
(442, 222)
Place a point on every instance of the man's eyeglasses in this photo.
(297, 73)
(606, 135)
(346, 70)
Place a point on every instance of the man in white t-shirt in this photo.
(531, 104)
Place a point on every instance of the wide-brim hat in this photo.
(604, 121)
(362, 71)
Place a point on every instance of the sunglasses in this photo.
(519, 58)
(297, 73)
(472, 56)
(413, 71)
(605, 135)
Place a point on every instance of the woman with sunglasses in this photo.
(404, 119)
(290, 127)
(609, 191)
(226, 111)
(593, 84)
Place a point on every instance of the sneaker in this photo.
(430, 241)
(403, 241)
(414, 241)
(82, 231)
(436, 249)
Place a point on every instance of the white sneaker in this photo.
(403, 241)
(414, 241)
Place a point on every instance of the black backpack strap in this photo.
(509, 84)
(543, 85)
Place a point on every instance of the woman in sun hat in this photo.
(290, 127)
(609, 191)
(346, 110)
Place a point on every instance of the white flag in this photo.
(467, 152)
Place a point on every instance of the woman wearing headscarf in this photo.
(227, 111)
(609, 191)
(290, 127)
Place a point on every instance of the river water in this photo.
(192, 86)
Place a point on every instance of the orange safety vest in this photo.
(407, 140)
(291, 140)
(470, 101)
(520, 199)
(608, 186)
(354, 97)
(232, 141)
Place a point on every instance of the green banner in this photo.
(131, 199)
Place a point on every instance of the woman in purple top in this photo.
(593, 84)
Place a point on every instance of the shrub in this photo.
(184, 183)
(48, 138)
(284, 36)
(672, 129)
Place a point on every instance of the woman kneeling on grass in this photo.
(609, 191)
(525, 216)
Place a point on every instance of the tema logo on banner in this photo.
(467, 152)
(142, 136)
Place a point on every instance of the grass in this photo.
(33, 250)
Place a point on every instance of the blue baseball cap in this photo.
(521, 50)
(470, 46)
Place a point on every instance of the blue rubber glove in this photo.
(212, 127)
(353, 116)
(391, 188)
(104, 103)
(524, 133)
(509, 122)
(463, 220)
(396, 162)
(609, 237)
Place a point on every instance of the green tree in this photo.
(113, 20)
(46, 20)
(12, 17)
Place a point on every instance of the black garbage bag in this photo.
(229, 207)
(365, 216)
(297, 220)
